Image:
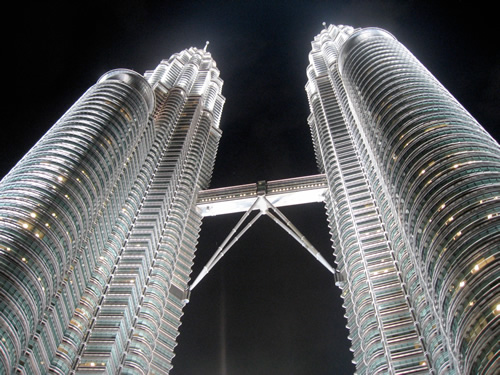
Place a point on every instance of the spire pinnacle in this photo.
(324, 25)
(206, 45)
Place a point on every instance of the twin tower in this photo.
(99, 220)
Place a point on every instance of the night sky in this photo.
(268, 307)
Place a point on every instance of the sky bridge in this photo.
(264, 197)
(279, 193)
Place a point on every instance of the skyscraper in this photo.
(98, 223)
(413, 204)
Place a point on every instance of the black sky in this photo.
(267, 307)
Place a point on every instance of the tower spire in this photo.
(206, 45)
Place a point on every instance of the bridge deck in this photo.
(287, 192)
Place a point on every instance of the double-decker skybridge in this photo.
(255, 200)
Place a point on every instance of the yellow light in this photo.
(498, 307)
(33, 214)
(25, 225)
(462, 284)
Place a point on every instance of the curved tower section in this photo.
(53, 197)
(425, 176)
(442, 172)
(99, 223)
(383, 330)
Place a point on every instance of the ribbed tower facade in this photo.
(413, 204)
(98, 223)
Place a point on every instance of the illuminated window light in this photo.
(33, 214)
(462, 284)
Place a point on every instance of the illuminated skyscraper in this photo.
(413, 202)
(98, 223)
